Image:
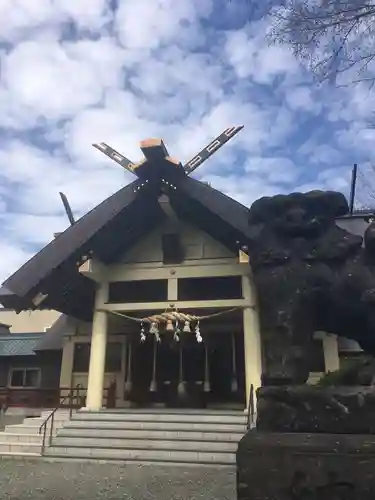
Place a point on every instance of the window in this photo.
(138, 291)
(81, 361)
(25, 377)
(81, 358)
(214, 288)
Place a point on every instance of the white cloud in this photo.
(148, 25)
(66, 81)
(250, 56)
(20, 17)
(301, 98)
(275, 170)
(14, 255)
(78, 72)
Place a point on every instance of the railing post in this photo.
(44, 437)
(51, 417)
(71, 398)
(51, 429)
(251, 399)
(2, 414)
(7, 397)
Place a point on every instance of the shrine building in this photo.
(149, 295)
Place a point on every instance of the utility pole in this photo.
(352, 188)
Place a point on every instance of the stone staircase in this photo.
(151, 436)
(24, 439)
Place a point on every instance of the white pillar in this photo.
(97, 352)
(252, 339)
(331, 353)
(67, 366)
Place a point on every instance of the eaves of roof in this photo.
(111, 228)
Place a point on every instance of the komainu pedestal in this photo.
(301, 466)
(310, 443)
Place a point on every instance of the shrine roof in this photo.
(108, 231)
(53, 338)
(19, 344)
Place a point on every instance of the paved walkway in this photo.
(39, 480)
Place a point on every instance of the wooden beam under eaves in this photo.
(39, 299)
(93, 269)
(243, 257)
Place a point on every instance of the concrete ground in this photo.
(40, 480)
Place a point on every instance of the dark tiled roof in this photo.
(222, 206)
(109, 230)
(53, 339)
(69, 244)
(19, 345)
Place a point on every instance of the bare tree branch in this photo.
(336, 38)
(365, 192)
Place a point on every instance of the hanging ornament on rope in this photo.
(171, 318)
(206, 385)
(153, 381)
(198, 335)
(181, 389)
(186, 328)
(154, 330)
(234, 383)
(177, 331)
(128, 381)
(143, 336)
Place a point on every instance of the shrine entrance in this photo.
(171, 374)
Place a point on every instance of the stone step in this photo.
(211, 418)
(156, 425)
(182, 435)
(142, 456)
(59, 414)
(164, 411)
(30, 429)
(142, 444)
(18, 455)
(116, 461)
(40, 420)
(7, 437)
(20, 447)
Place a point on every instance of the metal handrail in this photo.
(51, 416)
(250, 409)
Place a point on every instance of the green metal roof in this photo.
(19, 345)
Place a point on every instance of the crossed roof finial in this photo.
(157, 163)
(157, 158)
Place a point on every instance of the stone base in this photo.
(92, 410)
(331, 410)
(276, 466)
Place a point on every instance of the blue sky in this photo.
(78, 72)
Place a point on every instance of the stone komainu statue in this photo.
(310, 275)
